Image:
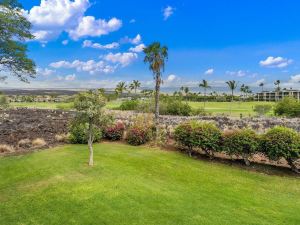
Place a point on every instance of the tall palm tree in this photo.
(277, 89)
(156, 56)
(232, 84)
(262, 84)
(243, 90)
(186, 91)
(135, 85)
(205, 86)
(120, 88)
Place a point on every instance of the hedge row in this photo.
(278, 142)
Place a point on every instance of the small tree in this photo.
(120, 88)
(262, 109)
(89, 110)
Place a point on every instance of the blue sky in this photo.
(97, 43)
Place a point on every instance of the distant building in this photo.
(272, 96)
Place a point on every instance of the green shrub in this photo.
(289, 107)
(194, 134)
(79, 133)
(282, 142)
(129, 105)
(3, 101)
(114, 132)
(262, 109)
(243, 143)
(171, 106)
(137, 135)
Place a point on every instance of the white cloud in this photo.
(167, 12)
(138, 48)
(171, 77)
(135, 41)
(123, 58)
(275, 62)
(52, 17)
(89, 66)
(65, 42)
(90, 26)
(90, 44)
(239, 73)
(295, 79)
(70, 77)
(209, 71)
(44, 72)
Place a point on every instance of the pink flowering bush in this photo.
(115, 132)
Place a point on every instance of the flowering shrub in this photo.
(137, 135)
(115, 132)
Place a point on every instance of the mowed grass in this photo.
(139, 185)
(230, 108)
(216, 108)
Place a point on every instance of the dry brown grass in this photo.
(62, 138)
(6, 149)
(39, 142)
(24, 143)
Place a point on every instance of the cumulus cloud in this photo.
(90, 26)
(52, 17)
(167, 12)
(89, 66)
(124, 59)
(90, 44)
(209, 71)
(138, 48)
(275, 62)
(171, 77)
(295, 79)
(135, 41)
(239, 73)
(70, 77)
(44, 72)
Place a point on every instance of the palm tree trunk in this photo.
(90, 143)
(157, 92)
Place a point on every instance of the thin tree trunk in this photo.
(90, 143)
(157, 92)
(204, 97)
(246, 160)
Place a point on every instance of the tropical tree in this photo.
(262, 86)
(156, 56)
(232, 84)
(15, 29)
(135, 85)
(120, 88)
(205, 86)
(89, 107)
(277, 89)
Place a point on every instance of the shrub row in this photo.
(278, 142)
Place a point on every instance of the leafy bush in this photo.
(129, 105)
(202, 135)
(287, 107)
(282, 142)
(243, 142)
(171, 106)
(262, 109)
(141, 131)
(200, 112)
(79, 133)
(115, 132)
(3, 101)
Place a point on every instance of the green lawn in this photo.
(236, 108)
(138, 185)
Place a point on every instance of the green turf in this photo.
(138, 185)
